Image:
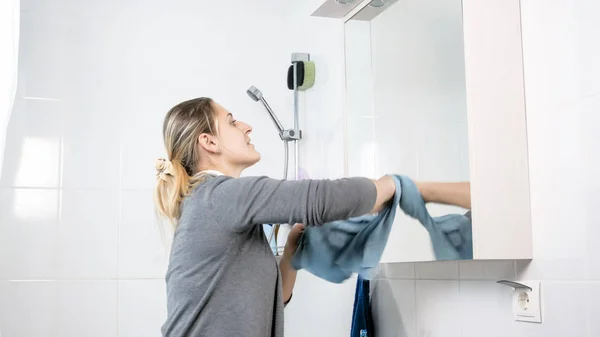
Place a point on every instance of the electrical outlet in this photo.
(527, 304)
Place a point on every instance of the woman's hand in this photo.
(292, 240)
(386, 189)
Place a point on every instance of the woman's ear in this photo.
(209, 143)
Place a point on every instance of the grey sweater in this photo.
(222, 279)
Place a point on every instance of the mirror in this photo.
(406, 104)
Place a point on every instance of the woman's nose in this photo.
(248, 128)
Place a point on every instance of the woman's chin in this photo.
(255, 157)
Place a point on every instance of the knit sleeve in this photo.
(240, 203)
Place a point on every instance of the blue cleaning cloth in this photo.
(451, 235)
(338, 249)
(362, 318)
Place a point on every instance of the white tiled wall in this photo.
(562, 82)
(80, 251)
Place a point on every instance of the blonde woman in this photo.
(223, 279)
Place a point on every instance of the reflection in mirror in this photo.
(406, 104)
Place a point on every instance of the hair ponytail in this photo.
(173, 184)
(176, 176)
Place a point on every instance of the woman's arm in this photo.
(458, 194)
(288, 277)
(241, 203)
(288, 273)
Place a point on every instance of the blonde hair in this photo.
(176, 175)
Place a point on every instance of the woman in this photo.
(223, 279)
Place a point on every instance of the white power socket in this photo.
(527, 304)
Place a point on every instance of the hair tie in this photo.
(164, 168)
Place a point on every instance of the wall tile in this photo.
(438, 270)
(91, 145)
(28, 308)
(87, 308)
(487, 270)
(486, 309)
(330, 306)
(142, 307)
(95, 54)
(88, 234)
(393, 306)
(33, 150)
(142, 144)
(438, 308)
(397, 270)
(28, 233)
(42, 42)
(141, 249)
(552, 269)
(592, 309)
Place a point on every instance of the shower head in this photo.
(254, 93)
(257, 96)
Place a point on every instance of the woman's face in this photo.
(234, 139)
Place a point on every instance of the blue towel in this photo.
(338, 249)
(362, 319)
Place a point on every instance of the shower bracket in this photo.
(296, 57)
(291, 135)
